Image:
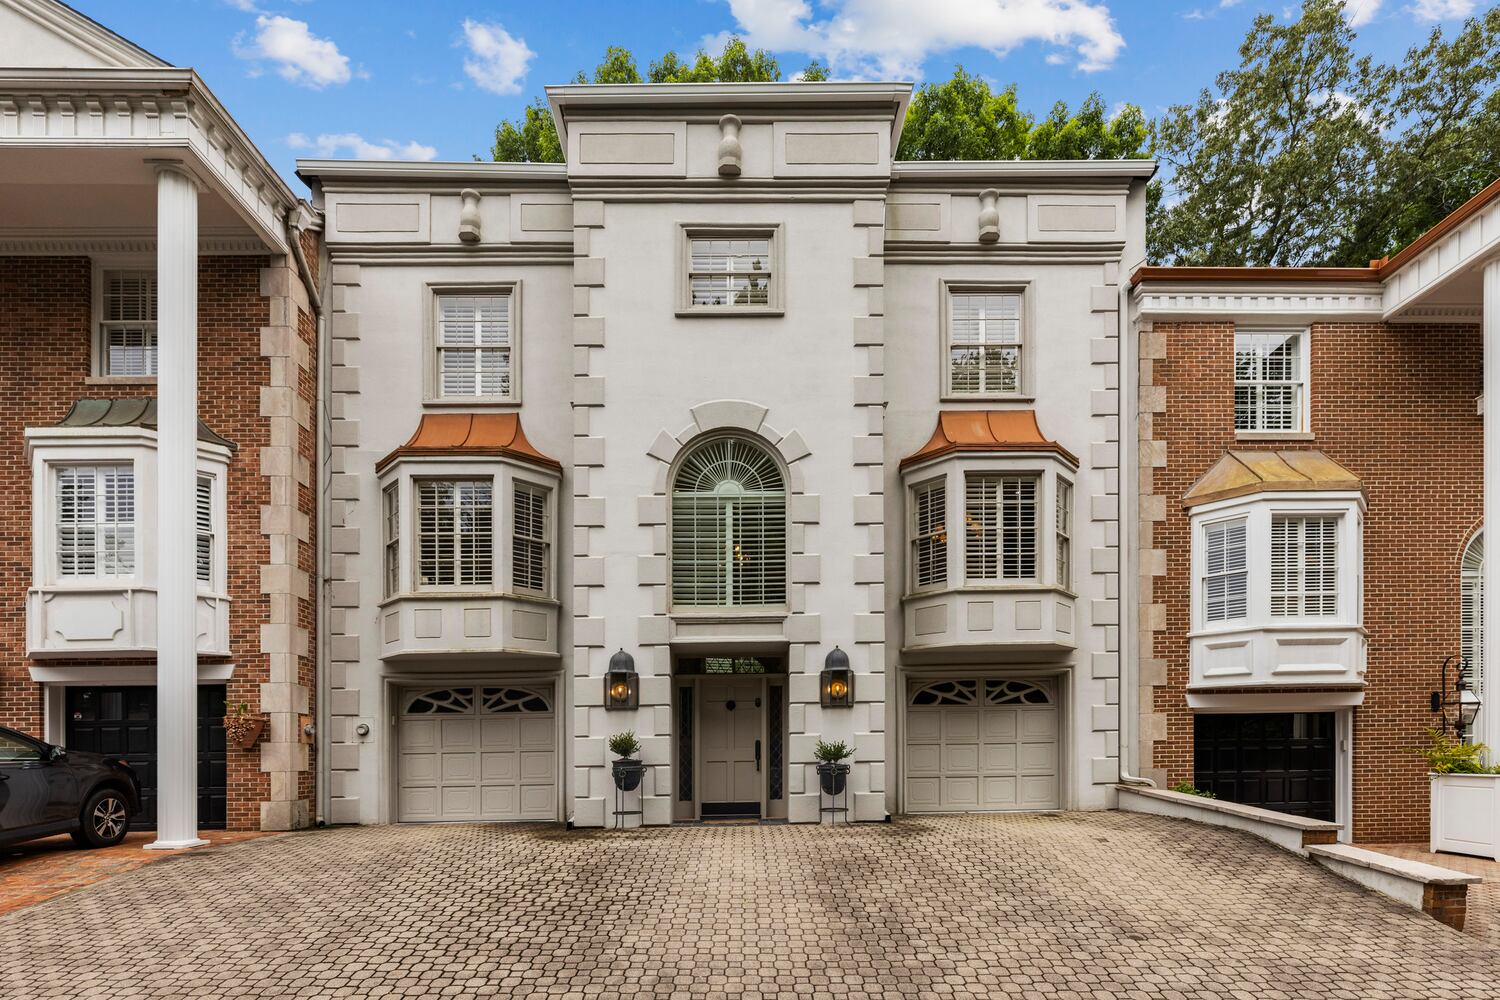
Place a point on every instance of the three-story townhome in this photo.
(737, 435)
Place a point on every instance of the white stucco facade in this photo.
(832, 378)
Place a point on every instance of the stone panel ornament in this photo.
(730, 150)
(468, 216)
(989, 216)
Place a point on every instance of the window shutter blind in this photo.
(529, 540)
(129, 323)
(728, 528)
(1000, 527)
(984, 343)
(1471, 614)
(392, 533)
(930, 535)
(1268, 381)
(474, 345)
(205, 517)
(1304, 566)
(95, 521)
(1064, 530)
(1226, 578)
(455, 533)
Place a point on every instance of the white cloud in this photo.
(359, 148)
(891, 38)
(301, 56)
(1442, 10)
(1361, 12)
(248, 6)
(498, 60)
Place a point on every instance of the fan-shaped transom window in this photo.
(483, 701)
(1003, 692)
(1471, 612)
(728, 527)
(960, 692)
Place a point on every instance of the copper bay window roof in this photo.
(973, 431)
(493, 435)
(1240, 473)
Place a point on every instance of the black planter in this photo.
(833, 778)
(627, 773)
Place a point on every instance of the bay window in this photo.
(455, 533)
(529, 559)
(929, 535)
(1000, 527)
(95, 521)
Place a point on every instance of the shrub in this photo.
(832, 753)
(1446, 755)
(624, 744)
(1188, 788)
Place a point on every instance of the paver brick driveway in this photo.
(1073, 905)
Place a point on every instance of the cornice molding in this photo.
(1466, 313)
(990, 171)
(1347, 301)
(22, 243)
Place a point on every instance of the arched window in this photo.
(1471, 611)
(728, 527)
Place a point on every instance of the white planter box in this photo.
(1466, 814)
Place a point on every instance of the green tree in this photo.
(1090, 134)
(816, 72)
(736, 64)
(963, 120)
(618, 66)
(531, 139)
(1269, 168)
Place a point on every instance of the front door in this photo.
(731, 741)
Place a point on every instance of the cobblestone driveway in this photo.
(1075, 905)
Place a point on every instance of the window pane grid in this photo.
(1225, 572)
(1304, 566)
(391, 538)
(1471, 615)
(95, 521)
(529, 540)
(129, 323)
(455, 537)
(728, 528)
(728, 272)
(1064, 530)
(1000, 527)
(984, 343)
(930, 535)
(474, 345)
(204, 515)
(1267, 382)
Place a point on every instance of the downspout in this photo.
(320, 673)
(1130, 513)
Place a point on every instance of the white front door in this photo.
(731, 711)
(476, 753)
(981, 744)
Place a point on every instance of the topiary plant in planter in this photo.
(833, 773)
(627, 768)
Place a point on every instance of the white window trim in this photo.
(97, 347)
(405, 472)
(776, 295)
(431, 385)
(911, 534)
(50, 447)
(1303, 430)
(496, 501)
(946, 290)
(549, 521)
(1258, 510)
(1047, 467)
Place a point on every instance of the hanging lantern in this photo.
(622, 685)
(836, 682)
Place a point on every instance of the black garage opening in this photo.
(122, 721)
(1281, 761)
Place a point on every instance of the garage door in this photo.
(980, 744)
(1276, 760)
(477, 753)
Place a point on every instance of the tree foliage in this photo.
(1306, 154)
(963, 119)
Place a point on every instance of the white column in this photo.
(1487, 729)
(176, 480)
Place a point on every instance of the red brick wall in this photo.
(1394, 405)
(45, 320)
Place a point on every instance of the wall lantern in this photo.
(622, 685)
(836, 683)
(1459, 700)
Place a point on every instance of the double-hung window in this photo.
(985, 341)
(475, 347)
(1000, 527)
(1226, 573)
(455, 533)
(1304, 566)
(1269, 381)
(127, 329)
(390, 537)
(1064, 533)
(730, 272)
(95, 521)
(529, 556)
(929, 536)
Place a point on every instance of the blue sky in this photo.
(381, 78)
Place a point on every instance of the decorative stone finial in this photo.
(730, 150)
(468, 216)
(989, 216)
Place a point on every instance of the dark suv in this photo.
(46, 789)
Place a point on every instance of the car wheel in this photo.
(106, 816)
